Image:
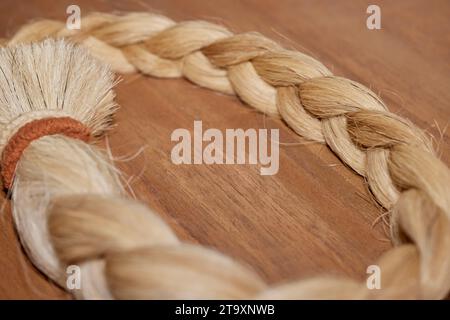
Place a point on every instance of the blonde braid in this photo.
(394, 156)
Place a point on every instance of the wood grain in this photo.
(315, 216)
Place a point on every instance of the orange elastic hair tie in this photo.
(34, 130)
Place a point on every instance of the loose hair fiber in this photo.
(68, 203)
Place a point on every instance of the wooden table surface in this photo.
(315, 216)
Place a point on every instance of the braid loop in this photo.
(142, 258)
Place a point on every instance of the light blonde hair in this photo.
(69, 205)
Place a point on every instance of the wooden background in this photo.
(315, 216)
